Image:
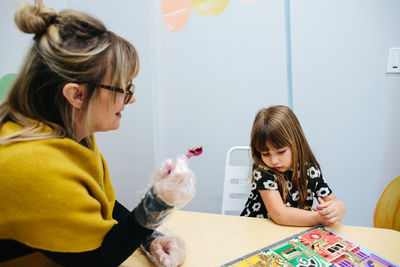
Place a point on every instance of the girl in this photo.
(286, 177)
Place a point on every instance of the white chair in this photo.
(236, 182)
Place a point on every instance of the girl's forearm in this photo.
(297, 217)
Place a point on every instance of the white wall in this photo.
(213, 76)
(348, 106)
(203, 85)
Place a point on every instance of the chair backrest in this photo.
(387, 210)
(236, 182)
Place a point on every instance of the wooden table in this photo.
(214, 239)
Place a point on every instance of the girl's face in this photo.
(106, 117)
(278, 159)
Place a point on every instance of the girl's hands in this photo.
(168, 251)
(331, 210)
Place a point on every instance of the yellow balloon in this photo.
(387, 211)
(209, 8)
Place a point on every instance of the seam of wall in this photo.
(154, 80)
(289, 76)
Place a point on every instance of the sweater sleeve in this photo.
(119, 211)
(119, 243)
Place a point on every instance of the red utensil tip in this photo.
(195, 151)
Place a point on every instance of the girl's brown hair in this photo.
(69, 46)
(277, 127)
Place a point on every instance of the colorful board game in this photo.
(317, 246)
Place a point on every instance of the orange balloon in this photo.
(175, 14)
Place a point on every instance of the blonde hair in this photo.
(278, 127)
(69, 46)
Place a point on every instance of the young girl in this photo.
(286, 177)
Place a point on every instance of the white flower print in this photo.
(323, 192)
(289, 185)
(313, 172)
(295, 196)
(260, 216)
(251, 195)
(270, 185)
(288, 204)
(256, 206)
(257, 175)
(253, 186)
(247, 213)
(309, 194)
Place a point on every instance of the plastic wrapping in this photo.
(173, 187)
(151, 211)
(175, 182)
(165, 251)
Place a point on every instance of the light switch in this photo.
(393, 65)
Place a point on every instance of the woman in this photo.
(56, 198)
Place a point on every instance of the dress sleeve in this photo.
(264, 179)
(321, 188)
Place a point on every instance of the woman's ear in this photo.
(75, 94)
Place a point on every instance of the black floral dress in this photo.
(265, 180)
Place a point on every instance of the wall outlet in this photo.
(393, 65)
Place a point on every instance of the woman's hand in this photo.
(168, 251)
(174, 182)
(331, 210)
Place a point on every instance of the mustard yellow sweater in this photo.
(55, 194)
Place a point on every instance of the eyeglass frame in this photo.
(129, 91)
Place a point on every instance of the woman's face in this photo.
(278, 159)
(107, 117)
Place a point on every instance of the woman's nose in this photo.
(132, 100)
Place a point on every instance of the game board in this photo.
(317, 246)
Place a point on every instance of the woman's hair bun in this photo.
(34, 18)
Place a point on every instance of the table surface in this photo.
(214, 239)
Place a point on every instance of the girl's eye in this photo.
(282, 151)
(265, 154)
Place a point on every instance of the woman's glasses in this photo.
(128, 91)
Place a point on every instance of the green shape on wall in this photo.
(5, 84)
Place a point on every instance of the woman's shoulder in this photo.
(48, 155)
(44, 144)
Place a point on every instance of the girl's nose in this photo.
(274, 160)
